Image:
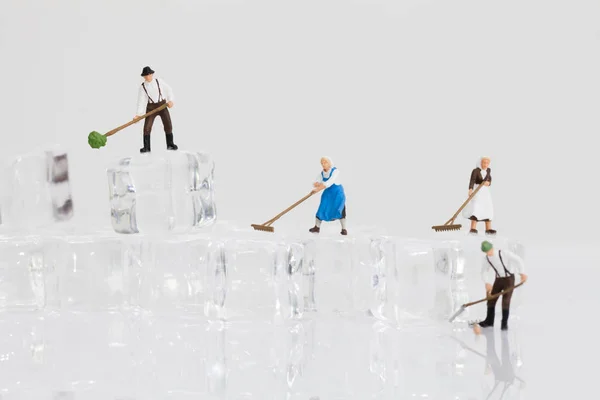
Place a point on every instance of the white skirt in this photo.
(480, 206)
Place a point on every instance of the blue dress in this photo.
(333, 201)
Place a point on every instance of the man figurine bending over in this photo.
(153, 94)
(498, 272)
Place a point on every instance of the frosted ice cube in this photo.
(35, 190)
(22, 284)
(159, 193)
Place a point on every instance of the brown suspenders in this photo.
(159, 92)
(506, 273)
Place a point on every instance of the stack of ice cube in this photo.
(173, 304)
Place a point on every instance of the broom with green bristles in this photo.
(449, 225)
(97, 140)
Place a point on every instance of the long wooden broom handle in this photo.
(134, 121)
(465, 203)
(494, 295)
(269, 222)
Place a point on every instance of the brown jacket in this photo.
(476, 178)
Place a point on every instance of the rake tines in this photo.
(444, 228)
(265, 228)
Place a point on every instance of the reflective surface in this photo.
(106, 318)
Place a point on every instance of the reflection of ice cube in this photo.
(35, 190)
(156, 193)
(24, 365)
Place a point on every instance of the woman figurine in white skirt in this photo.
(481, 208)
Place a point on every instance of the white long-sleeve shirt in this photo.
(513, 263)
(335, 178)
(152, 88)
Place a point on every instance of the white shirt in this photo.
(514, 264)
(335, 178)
(152, 88)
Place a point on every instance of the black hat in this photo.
(147, 71)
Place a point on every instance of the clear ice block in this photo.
(409, 279)
(255, 279)
(85, 273)
(331, 275)
(171, 273)
(22, 285)
(450, 289)
(35, 190)
(161, 193)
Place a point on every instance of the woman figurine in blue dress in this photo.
(333, 199)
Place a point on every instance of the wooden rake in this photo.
(449, 225)
(267, 225)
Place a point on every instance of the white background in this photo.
(403, 95)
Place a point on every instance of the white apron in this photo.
(481, 205)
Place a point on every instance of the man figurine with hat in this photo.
(498, 272)
(153, 94)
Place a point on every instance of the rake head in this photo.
(443, 228)
(263, 228)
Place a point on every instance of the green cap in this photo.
(486, 246)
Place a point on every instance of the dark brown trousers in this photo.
(501, 284)
(164, 116)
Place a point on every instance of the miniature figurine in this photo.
(150, 90)
(333, 199)
(498, 272)
(481, 207)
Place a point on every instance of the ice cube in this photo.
(22, 285)
(331, 274)
(259, 279)
(171, 273)
(409, 279)
(161, 193)
(35, 190)
(85, 273)
(449, 261)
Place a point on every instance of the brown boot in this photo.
(344, 232)
(315, 229)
